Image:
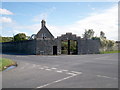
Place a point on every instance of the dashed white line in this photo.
(64, 70)
(41, 68)
(48, 69)
(59, 71)
(53, 68)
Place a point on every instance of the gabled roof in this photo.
(45, 31)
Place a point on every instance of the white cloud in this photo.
(5, 20)
(5, 12)
(106, 21)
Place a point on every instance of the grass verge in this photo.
(107, 52)
(4, 63)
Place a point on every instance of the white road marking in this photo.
(59, 71)
(106, 77)
(58, 80)
(41, 68)
(53, 68)
(64, 70)
(75, 72)
(48, 69)
(71, 73)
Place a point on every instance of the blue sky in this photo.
(61, 17)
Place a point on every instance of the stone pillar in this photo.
(68, 47)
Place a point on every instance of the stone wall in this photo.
(22, 47)
(45, 47)
(84, 46)
(88, 46)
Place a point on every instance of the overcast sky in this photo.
(61, 17)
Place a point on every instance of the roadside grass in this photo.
(4, 63)
(107, 52)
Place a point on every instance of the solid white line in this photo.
(75, 72)
(58, 81)
(105, 77)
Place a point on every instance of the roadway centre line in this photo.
(55, 69)
(58, 80)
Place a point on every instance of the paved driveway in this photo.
(64, 71)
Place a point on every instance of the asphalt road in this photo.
(64, 71)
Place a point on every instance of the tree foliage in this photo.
(20, 37)
(102, 34)
(88, 34)
(106, 43)
(6, 39)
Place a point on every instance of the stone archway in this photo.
(69, 47)
(70, 43)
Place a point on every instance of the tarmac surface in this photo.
(62, 71)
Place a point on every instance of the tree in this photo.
(6, 39)
(20, 37)
(102, 35)
(96, 38)
(88, 34)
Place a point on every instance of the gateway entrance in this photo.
(69, 47)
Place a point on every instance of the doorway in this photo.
(54, 50)
(69, 47)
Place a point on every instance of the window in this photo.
(44, 35)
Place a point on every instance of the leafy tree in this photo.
(111, 43)
(102, 34)
(6, 39)
(88, 34)
(20, 37)
(96, 38)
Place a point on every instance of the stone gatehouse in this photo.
(44, 43)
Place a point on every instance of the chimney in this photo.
(43, 23)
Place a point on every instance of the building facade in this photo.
(44, 43)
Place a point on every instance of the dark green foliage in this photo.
(102, 35)
(73, 47)
(6, 39)
(95, 38)
(20, 37)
